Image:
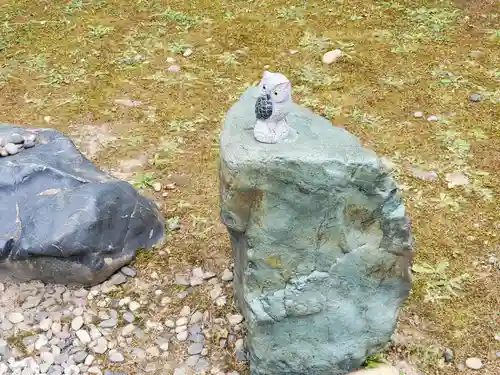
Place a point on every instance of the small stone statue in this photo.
(271, 108)
(13, 143)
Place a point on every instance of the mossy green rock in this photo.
(321, 244)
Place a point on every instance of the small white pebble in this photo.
(133, 306)
(331, 56)
(182, 336)
(185, 311)
(474, 363)
(174, 68)
(77, 323)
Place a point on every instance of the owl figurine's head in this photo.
(276, 87)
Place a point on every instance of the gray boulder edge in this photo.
(321, 244)
(52, 201)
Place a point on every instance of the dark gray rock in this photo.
(63, 219)
(320, 240)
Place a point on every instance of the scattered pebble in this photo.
(83, 336)
(474, 363)
(418, 114)
(170, 60)
(456, 178)
(475, 97)
(182, 336)
(117, 279)
(196, 317)
(235, 319)
(128, 102)
(77, 323)
(195, 348)
(188, 52)
(134, 306)
(293, 51)
(128, 271)
(331, 56)
(11, 148)
(432, 118)
(174, 68)
(157, 186)
(181, 279)
(423, 175)
(115, 356)
(227, 275)
(185, 311)
(15, 317)
(476, 54)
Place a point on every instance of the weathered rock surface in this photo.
(63, 220)
(321, 244)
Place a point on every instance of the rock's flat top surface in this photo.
(315, 141)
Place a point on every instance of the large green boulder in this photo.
(320, 240)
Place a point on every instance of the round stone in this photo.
(182, 336)
(418, 114)
(474, 363)
(15, 317)
(227, 275)
(196, 317)
(11, 148)
(47, 357)
(128, 330)
(83, 336)
(185, 311)
(181, 321)
(195, 348)
(475, 97)
(115, 356)
(133, 306)
(235, 319)
(128, 317)
(45, 324)
(15, 138)
(100, 346)
(332, 56)
(77, 323)
(31, 137)
(3, 152)
(448, 355)
(127, 271)
(79, 357)
(29, 144)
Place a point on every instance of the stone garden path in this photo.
(126, 325)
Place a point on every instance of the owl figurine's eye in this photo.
(276, 93)
(264, 87)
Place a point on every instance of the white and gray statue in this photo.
(271, 108)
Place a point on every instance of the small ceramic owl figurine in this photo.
(271, 108)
